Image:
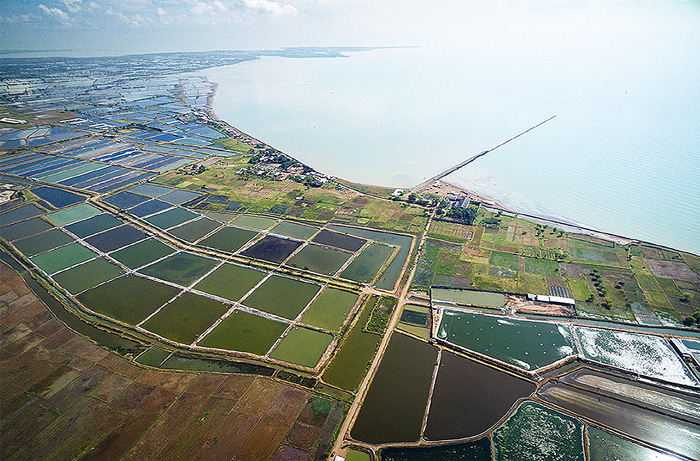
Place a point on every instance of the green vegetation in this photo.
(381, 312)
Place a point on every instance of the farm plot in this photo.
(330, 309)
(93, 225)
(180, 268)
(282, 296)
(87, 275)
(302, 346)
(185, 318)
(195, 230)
(294, 230)
(244, 332)
(142, 253)
(338, 240)
(62, 258)
(230, 281)
(272, 249)
(365, 266)
(30, 246)
(129, 299)
(526, 344)
(115, 238)
(321, 260)
(24, 229)
(228, 239)
(171, 218)
(73, 214)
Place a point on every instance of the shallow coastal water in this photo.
(621, 155)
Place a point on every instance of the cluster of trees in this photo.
(465, 215)
(692, 320)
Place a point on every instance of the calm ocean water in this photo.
(623, 79)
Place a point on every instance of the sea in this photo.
(622, 78)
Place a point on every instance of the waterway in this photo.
(621, 155)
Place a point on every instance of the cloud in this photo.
(269, 8)
(54, 12)
(201, 8)
(73, 5)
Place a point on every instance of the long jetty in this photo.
(471, 159)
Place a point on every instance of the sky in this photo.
(107, 27)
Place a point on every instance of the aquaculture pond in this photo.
(365, 266)
(415, 320)
(126, 200)
(195, 230)
(171, 217)
(338, 240)
(478, 450)
(469, 397)
(115, 238)
(24, 229)
(93, 225)
(180, 268)
(87, 275)
(253, 222)
(660, 429)
(62, 258)
(272, 249)
(20, 214)
(228, 239)
(294, 230)
(282, 296)
(302, 346)
(179, 197)
(469, 297)
(153, 357)
(185, 318)
(244, 332)
(350, 363)
(535, 432)
(602, 445)
(330, 309)
(73, 214)
(526, 344)
(30, 246)
(388, 278)
(149, 208)
(645, 354)
(57, 197)
(395, 414)
(151, 190)
(142, 253)
(319, 259)
(129, 299)
(230, 281)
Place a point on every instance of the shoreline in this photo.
(489, 201)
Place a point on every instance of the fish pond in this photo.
(180, 268)
(302, 346)
(87, 275)
(129, 299)
(330, 309)
(24, 229)
(603, 445)
(469, 397)
(244, 332)
(294, 230)
(142, 253)
(73, 214)
(395, 414)
(228, 239)
(319, 259)
(93, 225)
(272, 249)
(230, 281)
(282, 296)
(526, 344)
(535, 432)
(62, 258)
(350, 363)
(469, 297)
(645, 354)
(338, 240)
(253, 222)
(195, 230)
(478, 450)
(31, 246)
(365, 266)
